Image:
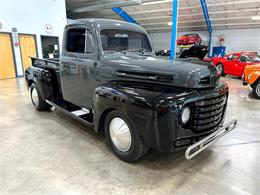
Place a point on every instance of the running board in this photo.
(83, 115)
(201, 145)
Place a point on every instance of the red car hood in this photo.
(184, 38)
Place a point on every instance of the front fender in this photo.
(255, 76)
(153, 110)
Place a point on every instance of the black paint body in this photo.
(150, 90)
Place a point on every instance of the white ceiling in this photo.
(154, 15)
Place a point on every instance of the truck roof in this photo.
(101, 23)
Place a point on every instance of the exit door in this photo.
(7, 65)
(28, 49)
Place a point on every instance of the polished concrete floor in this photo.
(50, 153)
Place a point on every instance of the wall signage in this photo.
(15, 37)
(48, 28)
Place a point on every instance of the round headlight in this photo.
(249, 76)
(185, 115)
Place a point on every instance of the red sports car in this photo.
(234, 64)
(189, 39)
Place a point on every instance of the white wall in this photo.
(30, 17)
(235, 39)
(238, 39)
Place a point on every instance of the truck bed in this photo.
(52, 64)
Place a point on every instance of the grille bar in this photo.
(210, 102)
(208, 114)
(209, 108)
(205, 121)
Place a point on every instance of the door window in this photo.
(232, 57)
(80, 40)
(76, 40)
(244, 58)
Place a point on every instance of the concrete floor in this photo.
(50, 153)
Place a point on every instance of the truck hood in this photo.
(189, 73)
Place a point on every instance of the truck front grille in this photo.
(208, 114)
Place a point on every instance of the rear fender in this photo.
(42, 79)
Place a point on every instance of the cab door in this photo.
(79, 65)
(232, 64)
(243, 61)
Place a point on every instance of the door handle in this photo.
(69, 65)
(72, 66)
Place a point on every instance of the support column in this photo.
(208, 22)
(175, 10)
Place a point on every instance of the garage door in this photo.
(7, 67)
(28, 49)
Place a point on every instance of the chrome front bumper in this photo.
(198, 147)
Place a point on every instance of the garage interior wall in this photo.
(235, 39)
(30, 17)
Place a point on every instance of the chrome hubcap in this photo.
(35, 97)
(120, 134)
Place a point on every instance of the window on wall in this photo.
(50, 47)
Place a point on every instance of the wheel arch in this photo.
(101, 123)
(30, 82)
(256, 81)
(221, 64)
(109, 97)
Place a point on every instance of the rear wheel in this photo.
(37, 101)
(220, 68)
(123, 138)
(256, 90)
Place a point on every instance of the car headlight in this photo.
(185, 115)
(249, 76)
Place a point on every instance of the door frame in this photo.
(12, 46)
(35, 40)
(52, 37)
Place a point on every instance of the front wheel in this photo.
(220, 68)
(37, 101)
(256, 90)
(123, 138)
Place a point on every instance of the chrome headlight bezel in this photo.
(185, 115)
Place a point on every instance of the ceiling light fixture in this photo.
(169, 23)
(156, 2)
(256, 17)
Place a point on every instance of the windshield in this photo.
(255, 58)
(250, 58)
(123, 40)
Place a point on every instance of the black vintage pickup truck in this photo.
(109, 79)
